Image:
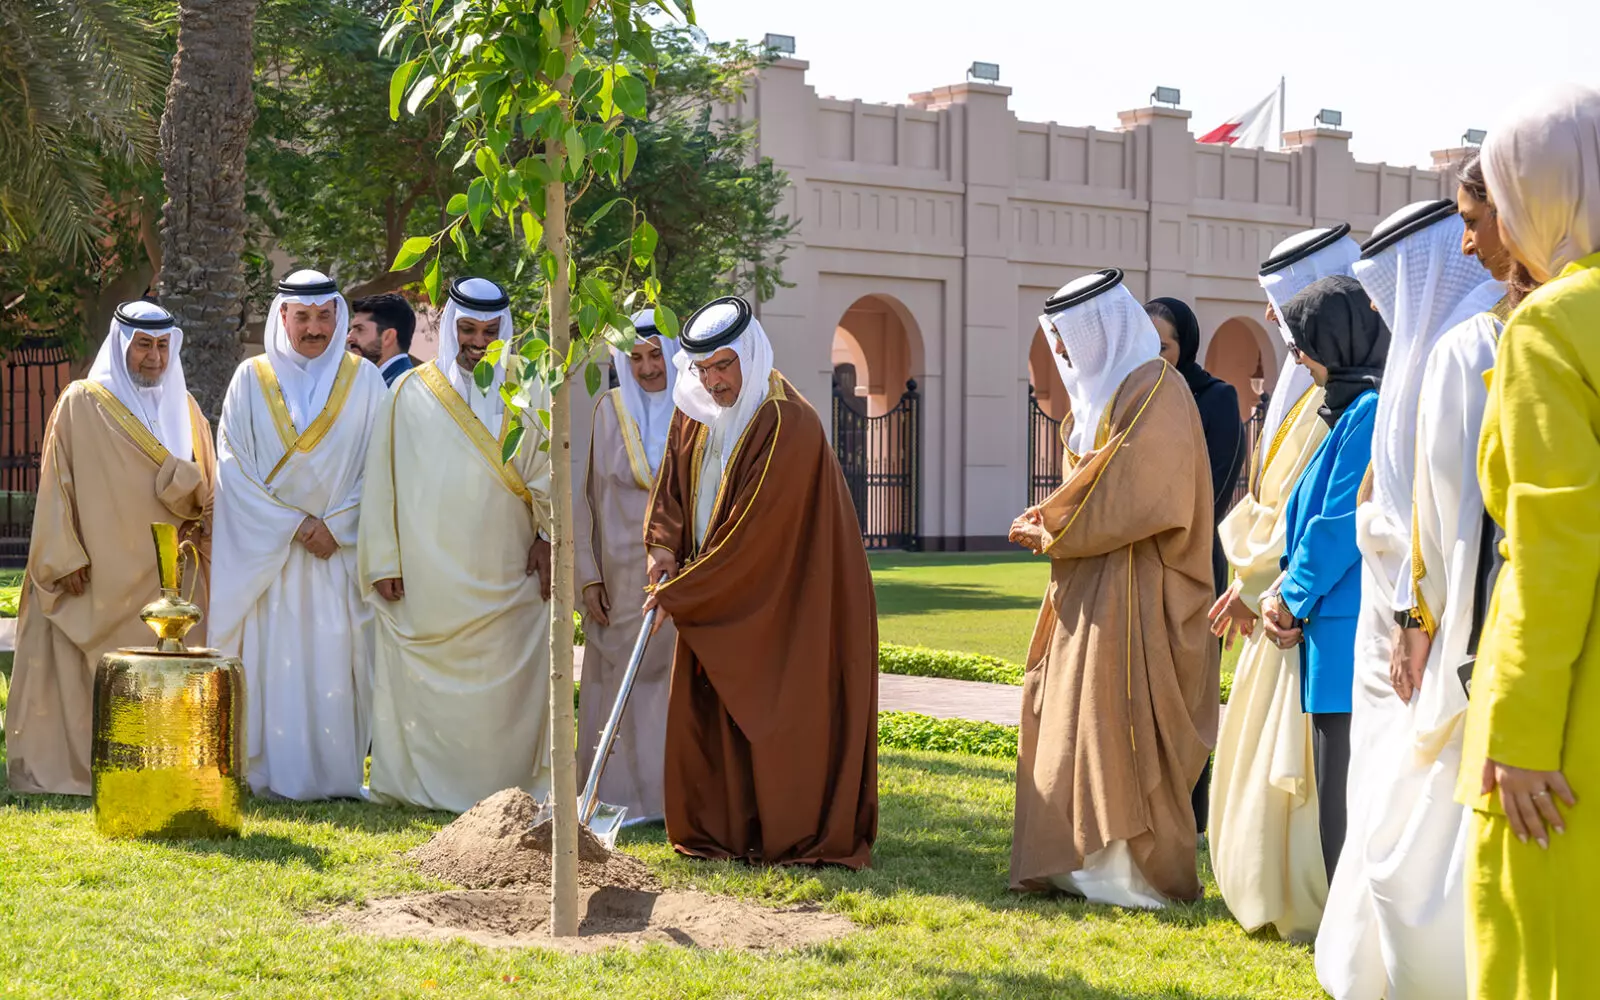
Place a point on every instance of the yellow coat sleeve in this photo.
(1540, 463)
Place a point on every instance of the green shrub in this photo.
(577, 629)
(917, 661)
(914, 731)
(1227, 687)
(9, 597)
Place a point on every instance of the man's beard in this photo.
(375, 355)
(143, 381)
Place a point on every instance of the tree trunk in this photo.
(204, 132)
(563, 735)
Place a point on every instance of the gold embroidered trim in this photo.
(488, 447)
(319, 428)
(632, 441)
(130, 424)
(1278, 439)
(272, 392)
(1050, 541)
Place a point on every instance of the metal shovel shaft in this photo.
(608, 736)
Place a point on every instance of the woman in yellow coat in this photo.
(1531, 765)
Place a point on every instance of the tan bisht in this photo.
(1266, 850)
(772, 752)
(610, 551)
(1119, 706)
(104, 480)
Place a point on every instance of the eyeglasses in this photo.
(713, 369)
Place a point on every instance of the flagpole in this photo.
(1281, 100)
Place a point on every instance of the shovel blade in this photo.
(606, 823)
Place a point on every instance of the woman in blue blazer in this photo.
(1343, 342)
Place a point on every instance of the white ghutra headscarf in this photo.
(707, 330)
(1543, 169)
(305, 382)
(1423, 285)
(1282, 282)
(479, 299)
(1107, 335)
(651, 411)
(163, 407)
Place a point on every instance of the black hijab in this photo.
(1178, 313)
(1333, 323)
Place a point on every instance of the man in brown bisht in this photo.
(125, 447)
(755, 553)
(1120, 698)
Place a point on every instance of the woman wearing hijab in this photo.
(1342, 341)
(625, 450)
(1219, 411)
(1218, 403)
(1532, 743)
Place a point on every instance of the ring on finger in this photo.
(1543, 793)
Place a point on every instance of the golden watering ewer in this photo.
(168, 755)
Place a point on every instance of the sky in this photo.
(1409, 76)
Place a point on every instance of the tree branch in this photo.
(388, 281)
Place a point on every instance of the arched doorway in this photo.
(876, 419)
(1047, 406)
(1235, 356)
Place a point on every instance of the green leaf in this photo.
(460, 240)
(596, 291)
(458, 204)
(547, 264)
(397, 86)
(508, 448)
(652, 288)
(483, 374)
(411, 251)
(591, 377)
(431, 281)
(629, 93)
(574, 10)
(389, 37)
(588, 316)
(479, 201)
(532, 231)
(576, 150)
(487, 163)
(666, 320)
(644, 243)
(549, 27)
(535, 348)
(544, 418)
(492, 353)
(555, 64)
(420, 92)
(630, 153)
(602, 212)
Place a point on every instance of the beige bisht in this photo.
(461, 679)
(610, 551)
(1119, 706)
(104, 479)
(1266, 849)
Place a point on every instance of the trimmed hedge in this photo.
(916, 661)
(914, 731)
(9, 597)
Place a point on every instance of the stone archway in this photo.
(873, 336)
(876, 419)
(1045, 378)
(1235, 355)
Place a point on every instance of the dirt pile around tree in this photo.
(494, 850)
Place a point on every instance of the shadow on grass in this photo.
(906, 597)
(256, 846)
(1067, 986)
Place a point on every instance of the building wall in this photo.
(955, 218)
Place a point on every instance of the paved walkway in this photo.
(935, 696)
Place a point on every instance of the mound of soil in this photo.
(611, 917)
(495, 845)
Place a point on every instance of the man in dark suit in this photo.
(380, 331)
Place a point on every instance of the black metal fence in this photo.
(882, 462)
(1044, 452)
(32, 376)
(1252, 437)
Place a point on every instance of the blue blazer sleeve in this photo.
(1326, 549)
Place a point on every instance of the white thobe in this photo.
(297, 622)
(1405, 888)
(461, 688)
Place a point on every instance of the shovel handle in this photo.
(608, 736)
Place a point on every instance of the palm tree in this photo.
(204, 134)
(79, 84)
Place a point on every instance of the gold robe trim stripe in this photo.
(488, 446)
(1049, 541)
(632, 441)
(293, 440)
(1277, 440)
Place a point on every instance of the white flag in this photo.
(1256, 128)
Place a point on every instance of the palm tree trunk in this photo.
(204, 132)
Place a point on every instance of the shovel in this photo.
(603, 819)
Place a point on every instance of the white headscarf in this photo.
(1106, 338)
(1422, 285)
(164, 407)
(487, 405)
(727, 423)
(651, 411)
(1284, 284)
(305, 381)
(1543, 168)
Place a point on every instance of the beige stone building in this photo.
(931, 232)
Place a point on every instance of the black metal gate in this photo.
(1044, 452)
(882, 462)
(32, 375)
(1252, 441)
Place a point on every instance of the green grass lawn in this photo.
(979, 602)
(87, 918)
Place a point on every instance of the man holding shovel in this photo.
(755, 553)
